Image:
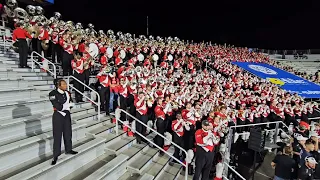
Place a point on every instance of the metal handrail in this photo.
(233, 170)
(54, 73)
(96, 103)
(258, 124)
(117, 115)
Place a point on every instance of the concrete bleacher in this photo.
(26, 135)
(310, 65)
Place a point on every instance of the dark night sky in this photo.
(264, 24)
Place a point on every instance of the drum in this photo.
(93, 50)
(109, 52)
(140, 57)
(122, 54)
(155, 57)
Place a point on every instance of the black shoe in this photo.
(80, 101)
(72, 152)
(28, 67)
(161, 153)
(54, 161)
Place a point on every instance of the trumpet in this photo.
(129, 72)
(145, 70)
(158, 70)
(106, 70)
(159, 78)
(151, 80)
(164, 72)
(175, 105)
(138, 69)
(133, 83)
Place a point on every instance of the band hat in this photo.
(205, 123)
(301, 138)
(311, 160)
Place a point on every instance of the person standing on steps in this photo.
(19, 36)
(206, 141)
(78, 67)
(61, 120)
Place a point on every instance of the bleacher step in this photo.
(66, 164)
(144, 159)
(38, 160)
(89, 168)
(112, 170)
(16, 129)
(22, 151)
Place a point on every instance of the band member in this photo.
(61, 120)
(114, 90)
(188, 116)
(87, 66)
(132, 90)
(43, 36)
(160, 114)
(205, 140)
(19, 36)
(56, 48)
(77, 65)
(141, 114)
(178, 127)
(104, 80)
(123, 96)
(67, 55)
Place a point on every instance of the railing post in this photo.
(68, 81)
(32, 61)
(228, 150)
(276, 133)
(117, 116)
(99, 106)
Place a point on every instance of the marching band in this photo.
(190, 90)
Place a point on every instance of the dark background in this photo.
(256, 24)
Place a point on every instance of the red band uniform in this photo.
(205, 140)
(19, 36)
(77, 65)
(141, 114)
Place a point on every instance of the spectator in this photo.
(283, 164)
(308, 147)
(306, 172)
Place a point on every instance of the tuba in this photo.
(31, 10)
(45, 45)
(21, 13)
(9, 8)
(11, 4)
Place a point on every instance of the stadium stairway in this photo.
(26, 136)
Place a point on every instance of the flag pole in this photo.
(147, 25)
